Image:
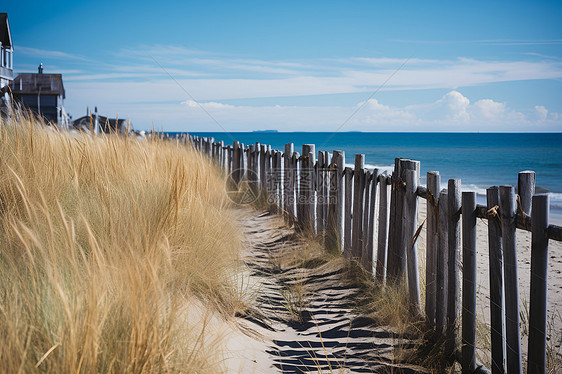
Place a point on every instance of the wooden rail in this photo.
(342, 205)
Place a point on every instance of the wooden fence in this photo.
(323, 197)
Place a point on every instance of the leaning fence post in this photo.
(382, 241)
(512, 319)
(497, 330)
(409, 227)
(468, 282)
(357, 206)
(536, 362)
(453, 285)
(433, 186)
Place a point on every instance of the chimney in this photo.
(41, 68)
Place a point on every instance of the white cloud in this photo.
(452, 112)
(541, 112)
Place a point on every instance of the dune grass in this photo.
(106, 245)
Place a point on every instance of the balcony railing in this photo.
(6, 73)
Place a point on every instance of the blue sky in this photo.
(302, 66)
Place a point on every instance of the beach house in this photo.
(101, 124)
(43, 94)
(6, 60)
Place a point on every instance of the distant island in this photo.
(265, 131)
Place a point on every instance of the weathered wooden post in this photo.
(268, 177)
(263, 182)
(442, 264)
(366, 261)
(468, 282)
(325, 188)
(536, 362)
(526, 190)
(358, 189)
(508, 209)
(497, 330)
(288, 196)
(372, 222)
(307, 187)
(296, 186)
(221, 154)
(432, 242)
(236, 162)
(242, 162)
(256, 166)
(278, 172)
(334, 235)
(409, 227)
(250, 168)
(273, 182)
(382, 241)
(320, 166)
(392, 256)
(453, 281)
(348, 214)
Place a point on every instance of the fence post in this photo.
(432, 240)
(409, 227)
(357, 206)
(325, 188)
(365, 260)
(296, 188)
(320, 166)
(393, 255)
(497, 330)
(348, 213)
(372, 215)
(513, 342)
(468, 282)
(442, 257)
(307, 186)
(536, 362)
(382, 240)
(526, 190)
(278, 175)
(262, 178)
(236, 162)
(453, 285)
(288, 196)
(334, 234)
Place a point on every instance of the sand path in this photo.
(304, 315)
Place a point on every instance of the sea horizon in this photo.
(480, 160)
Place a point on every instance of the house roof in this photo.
(106, 124)
(5, 35)
(34, 83)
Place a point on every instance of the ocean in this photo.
(481, 160)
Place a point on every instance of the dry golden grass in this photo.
(105, 244)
